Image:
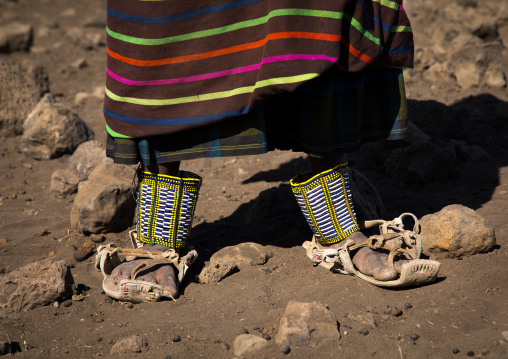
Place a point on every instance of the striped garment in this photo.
(325, 201)
(166, 208)
(179, 65)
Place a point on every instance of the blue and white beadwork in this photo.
(166, 208)
(325, 201)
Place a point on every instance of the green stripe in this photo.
(245, 24)
(388, 3)
(115, 134)
(214, 95)
(401, 29)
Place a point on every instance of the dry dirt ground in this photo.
(466, 309)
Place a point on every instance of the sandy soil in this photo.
(466, 309)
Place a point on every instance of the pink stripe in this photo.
(213, 75)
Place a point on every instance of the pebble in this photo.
(177, 339)
(363, 331)
(82, 254)
(226, 346)
(414, 337)
(505, 335)
(455, 351)
(394, 311)
(167, 357)
(108, 300)
(67, 303)
(29, 347)
(244, 331)
(408, 306)
(130, 305)
(470, 353)
(56, 304)
(286, 349)
(97, 238)
(485, 352)
(266, 336)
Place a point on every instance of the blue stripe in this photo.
(182, 16)
(385, 26)
(177, 121)
(399, 50)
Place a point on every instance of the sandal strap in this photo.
(393, 237)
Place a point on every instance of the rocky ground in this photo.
(457, 154)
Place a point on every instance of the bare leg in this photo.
(163, 275)
(366, 260)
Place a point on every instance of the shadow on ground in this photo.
(274, 218)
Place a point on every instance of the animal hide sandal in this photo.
(134, 290)
(393, 238)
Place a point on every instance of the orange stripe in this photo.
(357, 53)
(228, 50)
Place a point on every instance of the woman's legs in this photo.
(163, 275)
(366, 260)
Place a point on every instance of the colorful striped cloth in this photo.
(178, 65)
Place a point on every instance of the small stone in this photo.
(286, 349)
(108, 300)
(127, 346)
(266, 336)
(44, 232)
(394, 311)
(97, 238)
(505, 335)
(363, 331)
(414, 337)
(244, 331)
(485, 352)
(82, 254)
(177, 339)
(67, 303)
(56, 304)
(167, 357)
(78, 297)
(408, 306)
(130, 305)
(470, 353)
(29, 347)
(455, 351)
(226, 346)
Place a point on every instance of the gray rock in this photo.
(244, 253)
(15, 37)
(128, 345)
(215, 272)
(456, 231)
(307, 324)
(88, 156)
(36, 284)
(105, 202)
(477, 64)
(52, 130)
(64, 182)
(21, 87)
(247, 343)
(423, 162)
(363, 318)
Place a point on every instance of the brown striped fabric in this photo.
(178, 65)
